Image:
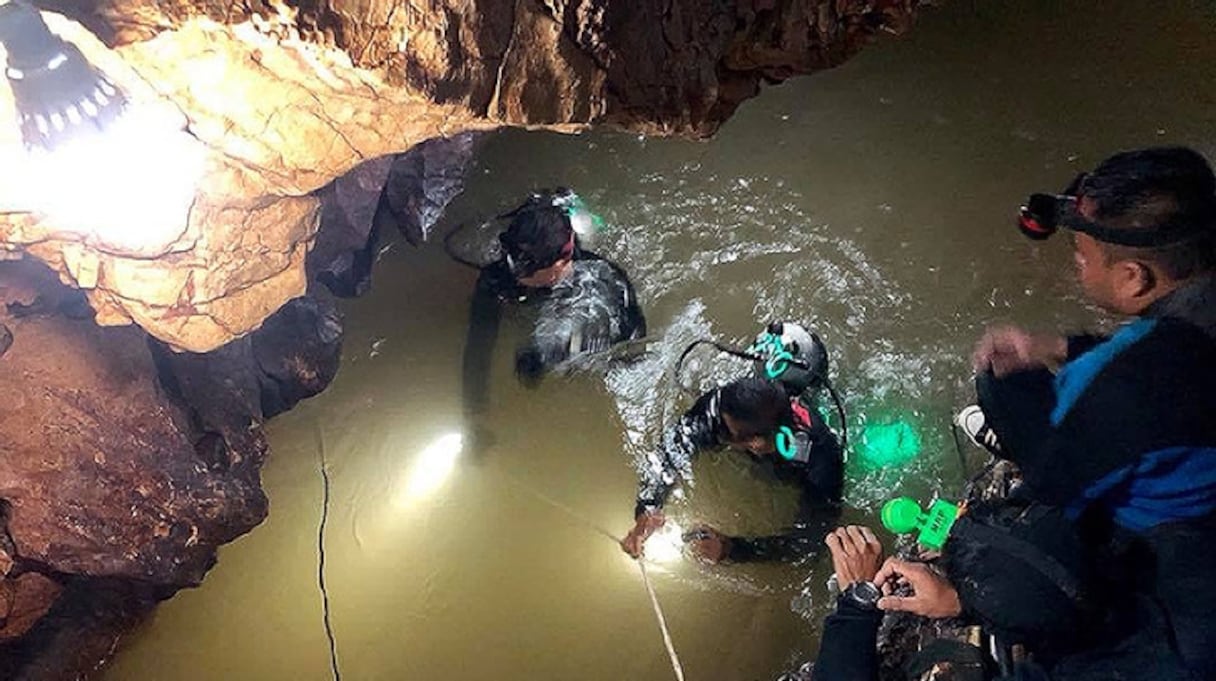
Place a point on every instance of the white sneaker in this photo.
(972, 422)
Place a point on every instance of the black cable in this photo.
(447, 248)
(844, 423)
(962, 458)
(329, 630)
(750, 356)
(969, 486)
(447, 239)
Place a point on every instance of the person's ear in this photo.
(1135, 279)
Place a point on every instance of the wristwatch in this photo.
(864, 595)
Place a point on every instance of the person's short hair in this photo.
(1148, 189)
(537, 237)
(757, 405)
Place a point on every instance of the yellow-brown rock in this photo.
(280, 98)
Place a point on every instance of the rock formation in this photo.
(142, 350)
(281, 98)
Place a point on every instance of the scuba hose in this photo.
(447, 248)
(766, 358)
(844, 424)
(971, 479)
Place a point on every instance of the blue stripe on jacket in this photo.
(1177, 483)
(1077, 375)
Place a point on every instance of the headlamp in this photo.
(1044, 214)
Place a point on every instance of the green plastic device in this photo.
(904, 515)
(777, 358)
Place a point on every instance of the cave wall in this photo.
(280, 98)
(138, 377)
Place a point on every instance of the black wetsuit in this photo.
(1125, 438)
(590, 310)
(820, 478)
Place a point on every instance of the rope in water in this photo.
(658, 613)
(329, 631)
(654, 599)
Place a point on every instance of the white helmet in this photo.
(793, 356)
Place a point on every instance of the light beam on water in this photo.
(433, 465)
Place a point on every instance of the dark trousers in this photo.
(1018, 408)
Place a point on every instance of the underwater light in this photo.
(432, 467)
(888, 443)
(666, 545)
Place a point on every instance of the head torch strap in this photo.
(1044, 213)
(1170, 233)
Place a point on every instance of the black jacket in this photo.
(848, 652)
(1131, 428)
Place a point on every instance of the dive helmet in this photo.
(792, 356)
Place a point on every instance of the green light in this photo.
(888, 444)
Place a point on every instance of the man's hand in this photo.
(1009, 349)
(856, 554)
(645, 526)
(932, 596)
(708, 544)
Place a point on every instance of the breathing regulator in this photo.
(793, 357)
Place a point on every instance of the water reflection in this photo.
(431, 468)
(873, 202)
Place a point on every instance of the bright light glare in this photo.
(433, 465)
(130, 186)
(666, 545)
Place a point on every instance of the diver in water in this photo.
(583, 303)
(771, 416)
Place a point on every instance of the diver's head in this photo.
(752, 410)
(538, 245)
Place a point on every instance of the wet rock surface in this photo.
(125, 465)
(137, 379)
(407, 192)
(282, 97)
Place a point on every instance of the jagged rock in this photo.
(421, 184)
(298, 351)
(80, 630)
(283, 97)
(408, 192)
(347, 242)
(23, 601)
(124, 463)
(234, 389)
(99, 468)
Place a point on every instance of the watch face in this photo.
(864, 593)
(868, 591)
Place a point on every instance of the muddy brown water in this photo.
(873, 201)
